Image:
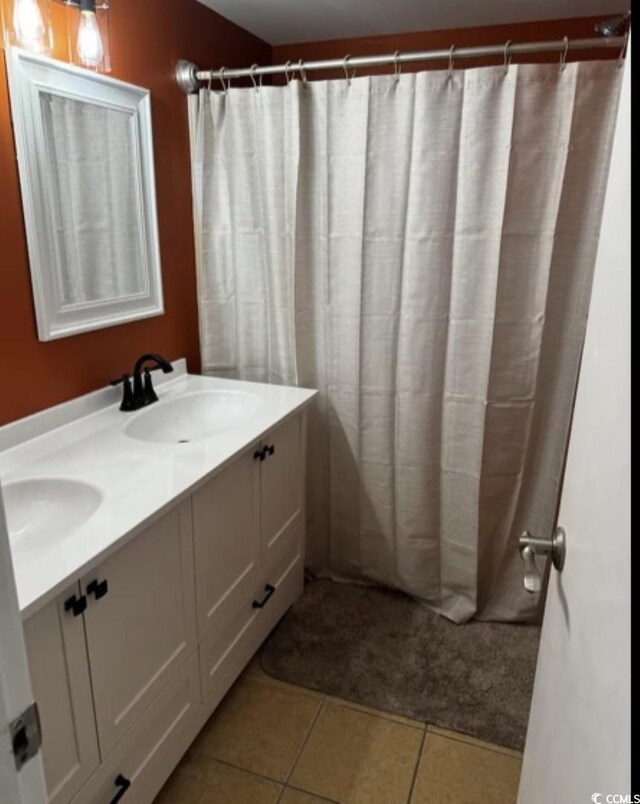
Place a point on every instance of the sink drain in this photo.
(184, 441)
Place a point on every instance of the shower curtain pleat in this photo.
(419, 248)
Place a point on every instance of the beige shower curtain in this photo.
(420, 249)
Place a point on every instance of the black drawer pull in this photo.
(124, 784)
(98, 589)
(258, 604)
(270, 450)
(76, 604)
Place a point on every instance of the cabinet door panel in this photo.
(226, 542)
(282, 489)
(153, 747)
(143, 629)
(60, 677)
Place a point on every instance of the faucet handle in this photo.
(149, 394)
(127, 392)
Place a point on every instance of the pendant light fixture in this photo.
(26, 24)
(88, 33)
(89, 42)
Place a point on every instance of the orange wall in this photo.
(147, 38)
(435, 40)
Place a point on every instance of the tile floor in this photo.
(274, 743)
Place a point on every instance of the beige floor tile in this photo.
(259, 728)
(291, 796)
(255, 672)
(406, 721)
(204, 781)
(465, 738)
(357, 758)
(457, 772)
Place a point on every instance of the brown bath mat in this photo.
(381, 649)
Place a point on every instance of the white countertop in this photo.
(138, 480)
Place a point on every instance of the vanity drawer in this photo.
(223, 656)
(150, 751)
(288, 573)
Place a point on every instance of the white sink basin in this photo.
(192, 417)
(43, 511)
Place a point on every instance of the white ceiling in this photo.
(281, 22)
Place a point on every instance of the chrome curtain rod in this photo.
(189, 76)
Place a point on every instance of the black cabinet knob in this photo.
(76, 604)
(98, 588)
(262, 454)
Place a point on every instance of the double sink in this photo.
(42, 511)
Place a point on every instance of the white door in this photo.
(27, 785)
(578, 742)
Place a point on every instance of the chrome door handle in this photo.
(530, 547)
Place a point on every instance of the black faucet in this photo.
(142, 393)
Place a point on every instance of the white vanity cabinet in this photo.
(131, 661)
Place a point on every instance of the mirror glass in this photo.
(86, 168)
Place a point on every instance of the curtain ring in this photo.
(451, 49)
(345, 64)
(256, 86)
(563, 55)
(623, 50)
(397, 69)
(209, 80)
(302, 71)
(221, 73)
(507, 57)
(287, 67)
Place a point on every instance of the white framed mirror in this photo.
(85, 156)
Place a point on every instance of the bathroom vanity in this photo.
(153, 554)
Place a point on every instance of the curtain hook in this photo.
(253, 77)
(623, 50)
(302, 71)
(451, 49)
(209, 80)
(345, 67)
(287, 67)
(397, 69)
(221, 73)
(507, 57)
(563, 55)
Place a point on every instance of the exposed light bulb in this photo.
(90, 47)
(28, 24)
